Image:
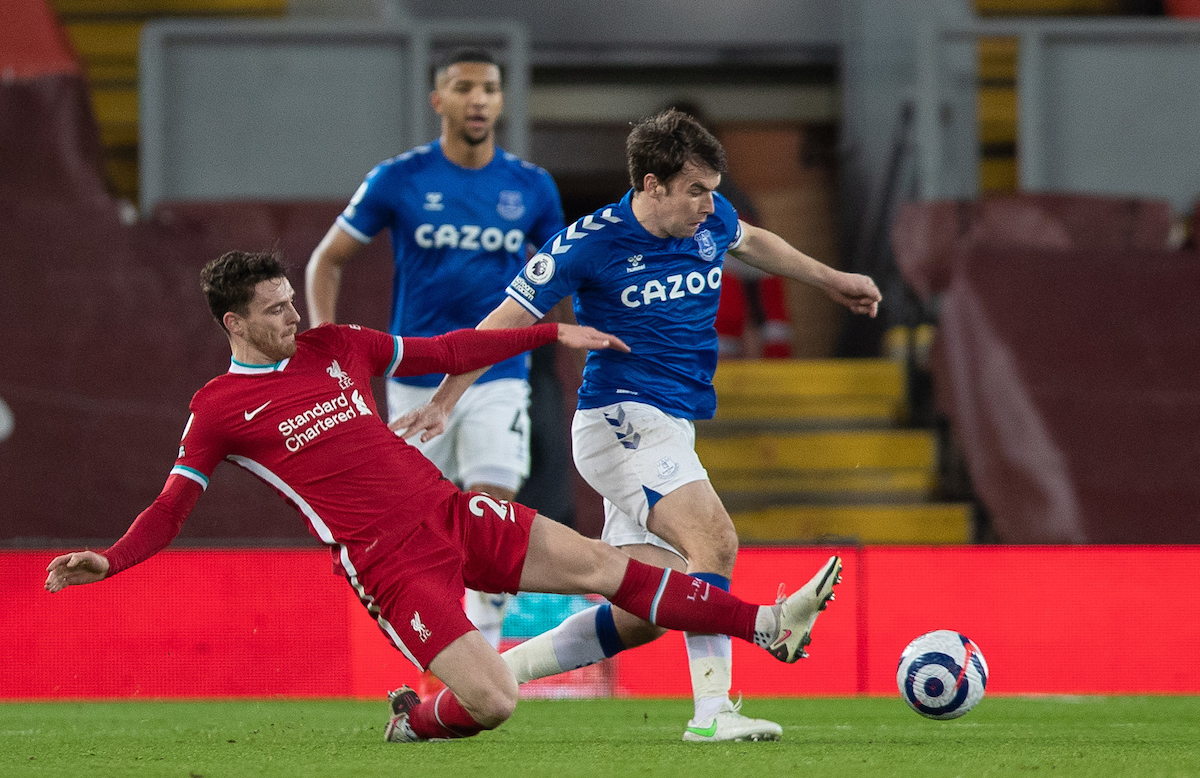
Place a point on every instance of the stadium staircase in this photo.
(997, 101)
(805, 451)
(105, 35)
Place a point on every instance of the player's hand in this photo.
(428, 419)
(575, 336)
(857, 292)
(80, 567)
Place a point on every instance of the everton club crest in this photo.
(510, 206)
(708, 246)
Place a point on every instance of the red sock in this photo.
(443, 716)
(676, 600)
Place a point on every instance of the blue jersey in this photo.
(458, 237)
(659, 295)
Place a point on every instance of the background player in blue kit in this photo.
(462, 213)
(648, 269)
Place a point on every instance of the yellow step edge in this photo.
(742, 409)
(115, 106)
(108, 40)
(819, 451)
(998, 175)
(945, 523)
(998, 59)
(102, 73)
(811, 485)
(998, 104)
(123, 175)
(119, 134)
(997, 132)
(789, 378)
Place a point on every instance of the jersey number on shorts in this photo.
(503, 510)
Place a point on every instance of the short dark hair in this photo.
(662, 144)
(228, 281)
(464, 54)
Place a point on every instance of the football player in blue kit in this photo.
(462, 214)
(648, 269)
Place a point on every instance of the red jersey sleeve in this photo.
(377, 352)
(462, 351)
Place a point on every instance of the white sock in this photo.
(571, 645)
(532, 659)
(710, 659)
(766, 625)
(486, 612)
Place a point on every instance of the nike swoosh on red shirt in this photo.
(251, 414)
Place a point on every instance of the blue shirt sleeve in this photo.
(551, 220)
(548, 277)
(369, 210)
(727, 214)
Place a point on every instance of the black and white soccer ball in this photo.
(942, 674)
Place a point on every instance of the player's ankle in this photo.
(766, 625)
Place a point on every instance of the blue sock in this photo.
(714, 579)
(606, 631)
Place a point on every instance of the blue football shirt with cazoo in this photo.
(659, 295)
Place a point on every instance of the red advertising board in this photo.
(278, 623)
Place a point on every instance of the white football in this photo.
(942, 674)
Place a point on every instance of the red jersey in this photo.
(308, 426)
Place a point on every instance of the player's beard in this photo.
(275, 348)
(471, 140)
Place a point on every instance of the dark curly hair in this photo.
(662, 144)
(228, 281)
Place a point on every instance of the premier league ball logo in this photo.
(942, 675)
(539, 269)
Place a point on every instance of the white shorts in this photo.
(630, 452)
(487, 437)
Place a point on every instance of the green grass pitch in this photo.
(1084, 736)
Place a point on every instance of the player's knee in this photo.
(496, 705)
(725, 552)
(714, 553)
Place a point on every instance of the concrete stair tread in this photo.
(826, 451)
(813, 393)
(807, 485)
(933, 523)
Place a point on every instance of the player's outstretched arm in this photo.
(429, 420)
(323, 274)
(78, 567)
(769, 252)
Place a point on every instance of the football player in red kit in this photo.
(297, 411)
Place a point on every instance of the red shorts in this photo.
(466, 539)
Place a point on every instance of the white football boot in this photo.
(798, 613)
(401, 701)
(730, 725)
